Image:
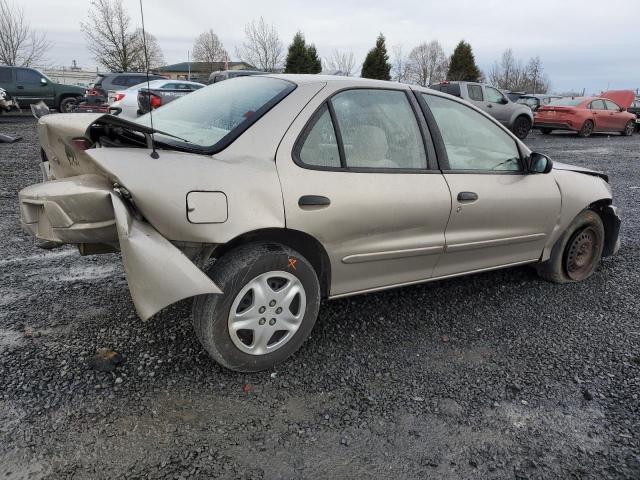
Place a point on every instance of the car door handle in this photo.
(313, 201)
(20, 87)
(467, 196)
(489, 105)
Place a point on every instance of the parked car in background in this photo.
(216, 77)
(635, 109)
(127, 99)
(534, 102)
(517, 118)
(302, 187)
(107, 84)
(28, 86)
(586, 115)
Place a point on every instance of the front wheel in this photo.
(521, 127)
(269, 306)
(629, 128)
(577, 254)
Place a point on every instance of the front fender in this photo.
(577, 191)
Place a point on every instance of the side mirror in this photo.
(43, 81)
(539, 163)
(503, 101)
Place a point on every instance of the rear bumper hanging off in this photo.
(86, 210)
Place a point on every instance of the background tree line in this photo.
(117, 46)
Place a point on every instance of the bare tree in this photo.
(399, 71)
(342, 62)
(19, 43)
(510, 74)
(262, 48)
(208, 48)
(538, 81)
(154, 52)
(114, 44)
(427, 64)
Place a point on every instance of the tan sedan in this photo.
(259, 196)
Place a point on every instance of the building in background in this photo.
(198, 71)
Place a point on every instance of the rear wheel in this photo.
(629, 128)
(546, 131)
(521, 127)
(586, 130)
(269, 306)
(576, 255)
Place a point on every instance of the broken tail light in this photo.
(119, 96)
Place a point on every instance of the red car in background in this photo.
(586, 115)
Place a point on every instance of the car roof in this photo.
(314, 78)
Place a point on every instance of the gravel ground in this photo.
(497, 375)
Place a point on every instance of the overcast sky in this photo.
(583, 44)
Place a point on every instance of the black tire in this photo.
(546, 131)
(67, 104)
(232, 273)
(629, 128)
(586, 130)
(566, 265)
(521, 127)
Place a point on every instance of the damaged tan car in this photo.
(260, 196)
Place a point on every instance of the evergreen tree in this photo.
(297, 55)
(314, 64)
(376, 64)
(462, 65)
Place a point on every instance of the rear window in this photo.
(5, 75)
(567, 102)
(450, 88)
(212, 117)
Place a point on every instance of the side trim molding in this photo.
(393, 254)
(432, 279)
(459, 247)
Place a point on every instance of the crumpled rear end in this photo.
(86, 210)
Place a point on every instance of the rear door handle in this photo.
(490, 106)
(467, 196)
(20, 87)
(313, 201)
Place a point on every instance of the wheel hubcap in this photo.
(581, 254)
(267, 312)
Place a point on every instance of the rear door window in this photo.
(318, 146)
(26, 75)
(5, 76)
(475, 92)
(379, 130)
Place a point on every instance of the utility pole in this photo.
(189, 63)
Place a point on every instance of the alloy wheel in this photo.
(267, 312)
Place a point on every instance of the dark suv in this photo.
(28, 86)
(106, 84)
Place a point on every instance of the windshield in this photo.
(218, 113)
(567, 102)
